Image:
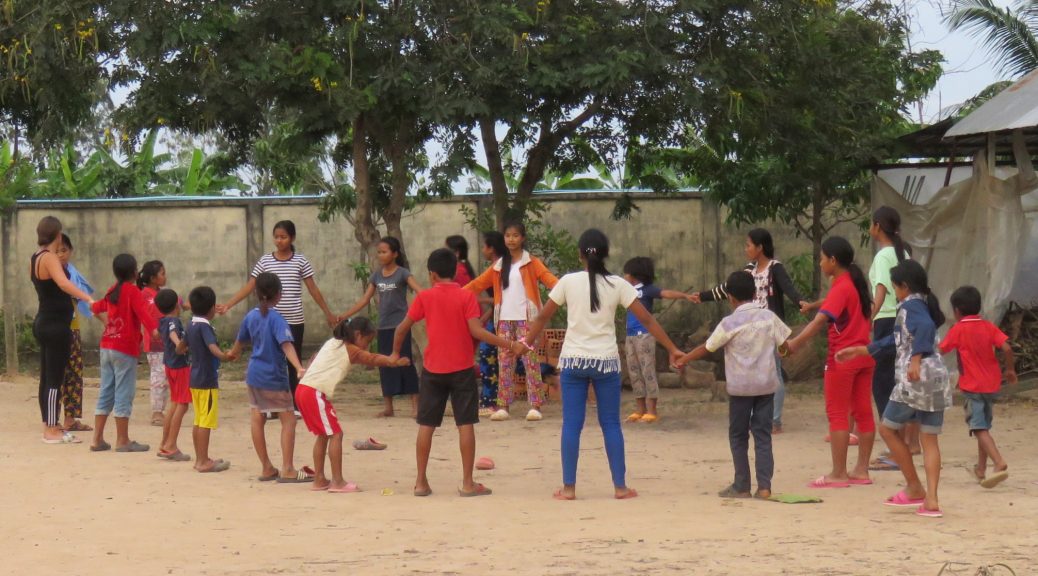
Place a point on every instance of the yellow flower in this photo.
(57, 26)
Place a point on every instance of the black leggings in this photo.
(297, 343)
(55, 340)
(883, 379)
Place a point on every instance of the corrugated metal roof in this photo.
(1014, 107)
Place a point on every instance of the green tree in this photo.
(1010, 34)
(800, 99)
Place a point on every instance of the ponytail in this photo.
(268, 288)
(839, 249)
(349, 329)
(124, 267)
(149, 271)
(912, 275)
(594, 249)
(889, 221)
(460, 246)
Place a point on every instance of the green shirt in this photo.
(879, 274)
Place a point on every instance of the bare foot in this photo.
(384, 414)
(625, 493)
(565, 493)
(321, 484)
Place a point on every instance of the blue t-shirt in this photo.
(647, 293)
(268, 367)
(171, 325)
(204, 365)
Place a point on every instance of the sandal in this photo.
(649, 418)
(369, 444)
(133, 446)
(995, 479)
(218, 466)
(823, 482)
(479, 490)
(270, 477)
(558, 495)
(423, 493)
(177, 456)
(484, 463)
(635, 417)
(731, 492)
(300, 477)
(78, 426)
(884, 464)
(66, 438)
(349, 488)
(903, 500)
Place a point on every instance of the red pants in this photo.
(848, 392)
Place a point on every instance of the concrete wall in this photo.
(216, 242)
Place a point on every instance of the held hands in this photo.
(695, 298)
(221, 309)
(233, 356)
(677, 360)
(805, 307)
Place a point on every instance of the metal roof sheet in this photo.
(1014, 107)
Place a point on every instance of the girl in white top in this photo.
(317, 387)
(590, 355)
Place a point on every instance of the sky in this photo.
(967, 68)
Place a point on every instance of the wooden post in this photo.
(8, 231)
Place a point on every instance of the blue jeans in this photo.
(574, 384)
(780, 393)
(118, 384)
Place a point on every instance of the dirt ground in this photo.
(69, 511)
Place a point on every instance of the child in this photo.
(922, 392)
(266, 378)
(72, 387)
(120, 347)
(975, 339)
(640, 346)
(294, 271)
(460, 247)
(391, 282)
(590, 357)
(205, 356)
(750, 336)
(331, 364)
(451, 319)
(152, 279)
(492, 249)
(517, 300)
(178, 372)
(848, 386)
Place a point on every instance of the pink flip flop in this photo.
(922, 511)
(484, 463)
(349, 488)
(821, 482)
(903, 500)
(860, 481)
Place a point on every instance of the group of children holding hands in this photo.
(754, 337)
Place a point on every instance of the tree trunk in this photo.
(364, 229)
(498, 185)
(399, 183)
(817, 233)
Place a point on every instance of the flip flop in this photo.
(300, 477)
(133, 446)
(484, 463)
(635, 416)
(995, 479)
(423, 493)
(631, 493)
(320, 488)
(649, 419)
(177, 456)
(884, 464)
(731, 492)
(102, 447)
(270, 477)
(368, 444)
(558, 495)
(922, 511)
(480, 490)
(78, 426)
(902, 500)
(218, 466)
(349, 488)
(860, 481)
(66, 438)
(821, 482)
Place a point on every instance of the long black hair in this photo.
(124, 267)
(496, 242)
(838, 248)
(349, 329)
(911, 274)
(290, 228)
(150, 270)
(506, 258)
(761, 237)
(594, 248)
(394, 247)
(889, 221)
(460, 246)
(268, 288)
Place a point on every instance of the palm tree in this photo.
(1011, 34)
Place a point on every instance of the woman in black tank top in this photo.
(52, 324)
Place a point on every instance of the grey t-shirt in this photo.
(391, 292)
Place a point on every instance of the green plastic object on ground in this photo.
(794, 499)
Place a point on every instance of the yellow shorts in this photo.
(207, 406)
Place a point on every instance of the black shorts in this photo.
(434, 391)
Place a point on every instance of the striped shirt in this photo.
(292, 272)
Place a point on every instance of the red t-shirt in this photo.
(123, 325)
(461, 275)
(446, 309)
(975, 339)
(847, 325)
(154, 344)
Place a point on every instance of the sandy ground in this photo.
(69, 511)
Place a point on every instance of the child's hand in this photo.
(677, 360)
(332, 320)
(1011, 376)
(695, 298)
(401, 362)
(805, 307)
(914, 369)
(300, 372)
(233, 355)
(221, 309)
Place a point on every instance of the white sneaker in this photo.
(500, 415)
(534, 415)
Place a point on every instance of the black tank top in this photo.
(55, 304)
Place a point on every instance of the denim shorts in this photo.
(897, 414)
(118, 384)
(978, 410)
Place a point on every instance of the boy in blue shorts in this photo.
(980, 377)
(205, 356)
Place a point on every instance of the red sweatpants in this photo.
(848, 392)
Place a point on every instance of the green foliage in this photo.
(1010, 34)
(23, 333)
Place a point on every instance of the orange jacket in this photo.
(531, 270)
